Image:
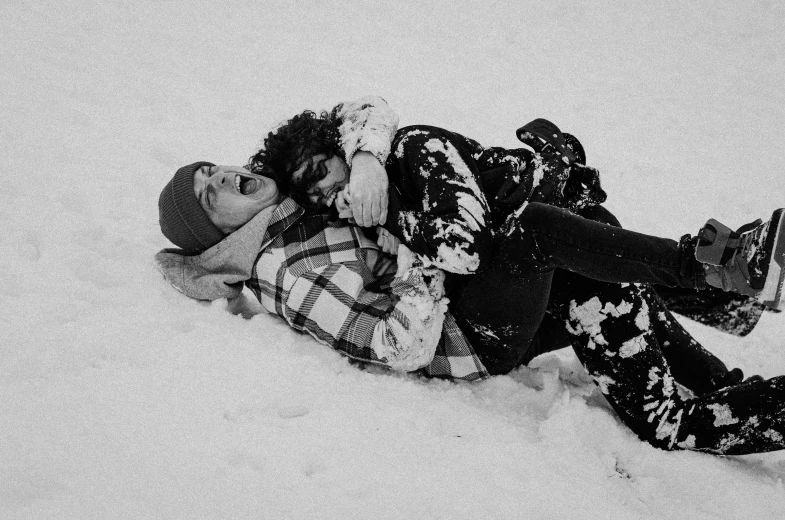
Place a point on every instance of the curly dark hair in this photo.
(285, 148)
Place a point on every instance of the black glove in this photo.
(567, 182)
(582, 188)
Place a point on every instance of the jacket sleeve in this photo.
(343, 306)
(367, 124)
(437, 205)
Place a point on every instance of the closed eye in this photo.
(204, 198)
(315, 174)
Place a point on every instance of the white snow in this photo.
(632, 346)
(412, 347)
(121, 398)
(722, 414)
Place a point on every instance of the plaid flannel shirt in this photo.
(327, 279)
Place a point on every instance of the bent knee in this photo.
(540, 212)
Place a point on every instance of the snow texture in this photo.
(423, 310)
(122, 398)
(357, 123)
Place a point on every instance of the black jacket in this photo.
(449, 195)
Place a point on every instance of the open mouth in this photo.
(330, 198)
(247, 185)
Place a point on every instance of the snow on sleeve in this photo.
(475, 206)
(452, 252)
(451, 237)
(367, 124)
(409, 342)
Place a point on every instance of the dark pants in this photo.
(574, 272)
(503, 307)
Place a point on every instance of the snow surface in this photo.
(121, 398)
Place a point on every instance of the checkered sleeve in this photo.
(454, 357)
(340, 305)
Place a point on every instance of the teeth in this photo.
(237, 183)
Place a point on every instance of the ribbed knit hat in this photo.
(182, 219)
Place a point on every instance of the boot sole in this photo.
(771, 295)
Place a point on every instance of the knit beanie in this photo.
(182, 219)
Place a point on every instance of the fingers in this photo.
(383, 240)
(376, 210)
(365, 212)
(383, 209)
(391, 246)
(369, 208)
(373, 209)
(387, 242)
(357, 212)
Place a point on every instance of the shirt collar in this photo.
(287, 213)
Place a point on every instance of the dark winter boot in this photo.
(747, 261)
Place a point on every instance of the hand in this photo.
(583, 188)
(387, 241)
(368, 185)
(343, 201)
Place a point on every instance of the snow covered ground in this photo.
(120, 398)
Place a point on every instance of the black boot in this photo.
(748, 261)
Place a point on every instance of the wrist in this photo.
(364, 155)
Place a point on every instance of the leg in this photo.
(729, 312)
(732, 313)
(546, 237)
(691, 365)
(501, 308)
(615, 341)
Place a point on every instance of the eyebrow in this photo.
(307, 169)
(315, 169)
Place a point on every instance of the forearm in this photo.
(409, 344)
(367, 127)
(399, 328)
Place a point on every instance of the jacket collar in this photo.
(220, 271)
(287, 213)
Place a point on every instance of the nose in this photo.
(220, 178)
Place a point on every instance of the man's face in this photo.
(333, 173)
(231, 195)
